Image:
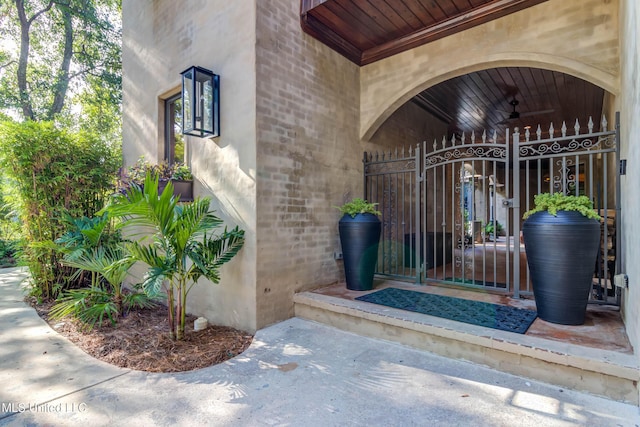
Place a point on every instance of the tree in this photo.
(184, 247)
(52, 46)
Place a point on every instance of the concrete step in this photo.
(602, 372)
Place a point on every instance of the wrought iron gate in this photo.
(452, 209)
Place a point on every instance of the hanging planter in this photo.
(561, 238)
(360, 231)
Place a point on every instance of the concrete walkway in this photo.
(296, 373)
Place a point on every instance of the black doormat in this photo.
(474, 312)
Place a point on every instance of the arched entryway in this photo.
(452, 205)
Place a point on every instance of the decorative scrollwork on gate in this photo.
(567, 179)
(460, 261)
(568, 146)
(487, 151)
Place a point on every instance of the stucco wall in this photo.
(630, 150)
(161, 38)
(309, 157)
(578, 37)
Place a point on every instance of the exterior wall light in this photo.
(200, 102)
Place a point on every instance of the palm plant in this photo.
(91, 245)
(184, 245)
(84, 235)
(92, 305)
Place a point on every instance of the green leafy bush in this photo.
(10, 234)
(555, 202)
(7, 253)
(93, 245)
(359, 206)
(53, 171)
(181, 171)
(92, 306)
(489, 229)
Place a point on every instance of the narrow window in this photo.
(174, 140)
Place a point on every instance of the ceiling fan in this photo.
(515, 114)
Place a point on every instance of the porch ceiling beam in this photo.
(329, 33)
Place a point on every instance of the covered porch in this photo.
(595, 357)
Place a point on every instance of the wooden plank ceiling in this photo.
(484, 100)
(365, 31)
(369, 30)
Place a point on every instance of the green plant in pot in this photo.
(360, 230)
(561, 237)
(492, 231)
(179, 174)
(182, 180)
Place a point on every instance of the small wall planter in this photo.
(182, 189)
(178, 173)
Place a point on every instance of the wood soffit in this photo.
(483, 100)
(365, 31)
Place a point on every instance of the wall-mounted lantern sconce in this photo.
(200, 102)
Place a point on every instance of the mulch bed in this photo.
(140, 341)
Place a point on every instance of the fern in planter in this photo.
(359, 206)
(490, 230)
(552, 203)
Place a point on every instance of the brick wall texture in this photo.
(308, 156)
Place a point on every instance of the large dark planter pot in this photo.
(561, 253)
(360, 237)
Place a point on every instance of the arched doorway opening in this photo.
(452, 204)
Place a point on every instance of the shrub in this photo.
(7, 253)
(53, 171)
(92, 245)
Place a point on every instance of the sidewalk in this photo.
(296, 373)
